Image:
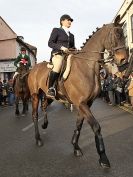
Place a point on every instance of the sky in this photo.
(35, 19)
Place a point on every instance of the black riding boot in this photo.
(51, 89)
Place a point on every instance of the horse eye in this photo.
(118, 35)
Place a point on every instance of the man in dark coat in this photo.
(61, 40)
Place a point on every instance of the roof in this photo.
(29, 47)
(7, 25)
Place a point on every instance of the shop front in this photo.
(7, 70)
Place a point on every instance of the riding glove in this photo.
(64, 49)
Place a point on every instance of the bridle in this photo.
(114, 49)
(112, 36)
(111, 51)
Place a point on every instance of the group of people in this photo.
(6, 92)
(116, 90)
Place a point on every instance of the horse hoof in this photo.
(39, 143)
(78, 153)
(104, 162)
(45, 125)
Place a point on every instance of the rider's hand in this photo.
(64, 49)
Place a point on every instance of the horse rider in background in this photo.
(22, 58)
(61, 40)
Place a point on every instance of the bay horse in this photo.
(82, 85)
(21, 89)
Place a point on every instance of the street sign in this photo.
(7, 66)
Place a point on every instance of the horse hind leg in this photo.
(35, 102)
(17, 107)
(104, 162)
(45, 103)
(75, 138)
(44, 107)
(24, 107)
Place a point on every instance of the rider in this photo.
(21, 59)
(60, 41)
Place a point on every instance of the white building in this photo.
(126, 13)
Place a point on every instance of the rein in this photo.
(21, 77)
(78, 52)
(74, 54)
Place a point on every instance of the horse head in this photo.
(22, 76)
(115, 41)
(22, 70)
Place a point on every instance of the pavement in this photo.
(127, 107)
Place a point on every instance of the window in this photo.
(125, 33)
(132, 26)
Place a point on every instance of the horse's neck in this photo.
(95, 45)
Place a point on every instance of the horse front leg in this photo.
(35, 102)
(75, 138)
(104, 162)
(24, 106)
(17, 106)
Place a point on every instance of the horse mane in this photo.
(90, 36)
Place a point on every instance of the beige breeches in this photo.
(57, 62)
(68, 67)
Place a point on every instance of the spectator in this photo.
(4, 92)
(104, 92)
(111, 88)
(126, 91)
(0, 92)
(11, 96)
(130, 88)
(119, 89)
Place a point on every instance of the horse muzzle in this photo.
(120, 56)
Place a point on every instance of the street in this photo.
(20, 157)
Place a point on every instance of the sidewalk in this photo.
(127, 107)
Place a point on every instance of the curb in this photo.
(126, 108)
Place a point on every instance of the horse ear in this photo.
(117, 21)
(121, 24)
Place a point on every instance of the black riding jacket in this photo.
(59, 38)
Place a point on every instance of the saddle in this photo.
(64, 73)
(66, 65)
